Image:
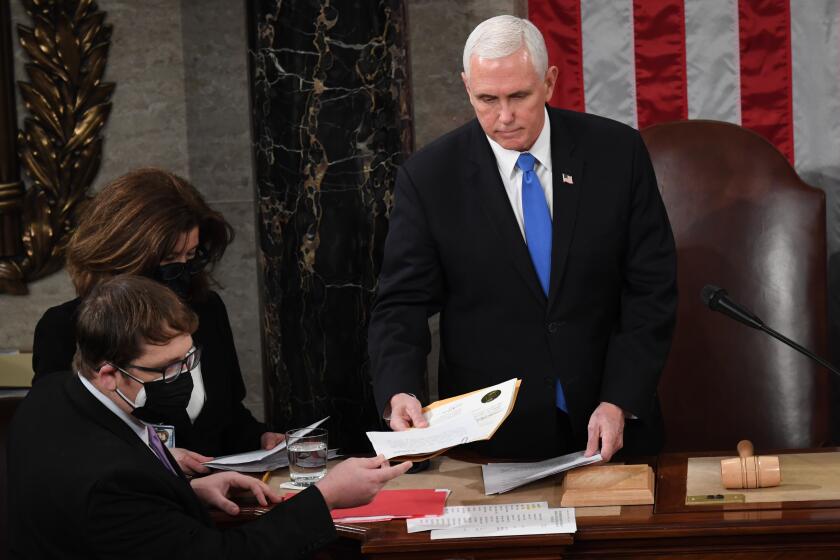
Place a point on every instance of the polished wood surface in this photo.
(667, 529)
(608, 485)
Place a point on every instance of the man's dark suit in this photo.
(83, 485)
(605, 329)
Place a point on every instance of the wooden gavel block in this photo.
(749, 471)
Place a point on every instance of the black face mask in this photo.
(166, 403)
(177, 276)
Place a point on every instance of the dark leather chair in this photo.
(742, 220)
(8, 405)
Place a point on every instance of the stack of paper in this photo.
(533, 518)
(277, 459)
(501, 477)
(394, 504)
(263, 459)
(470, 417)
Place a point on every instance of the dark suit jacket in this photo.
(224, 426)
(454, 245)
(83, 485)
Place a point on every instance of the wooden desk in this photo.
(668, 529)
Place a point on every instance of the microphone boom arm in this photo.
(800, 348)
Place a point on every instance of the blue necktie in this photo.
(537, 220)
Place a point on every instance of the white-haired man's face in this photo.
(508, 97)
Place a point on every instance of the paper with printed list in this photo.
(532, 518)
(470, 417)
(502, 477)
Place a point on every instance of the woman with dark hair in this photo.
(152, 223)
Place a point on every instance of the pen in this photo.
(266, 476)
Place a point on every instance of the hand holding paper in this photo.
(606, 426)
(470, 417)
(406, 412)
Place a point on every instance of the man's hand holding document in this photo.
(466, 418)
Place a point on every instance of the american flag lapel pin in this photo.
(568, 179)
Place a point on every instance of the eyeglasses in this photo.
(169, 372)
(193, 266)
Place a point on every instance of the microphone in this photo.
(717, 299)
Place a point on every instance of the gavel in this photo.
(749, 471)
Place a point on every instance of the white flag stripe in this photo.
(712, 57)
(609, 63)
(815, 43)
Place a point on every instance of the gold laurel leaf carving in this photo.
(97, 56)
(88, 29)
(86, 7)
(60, 146)
(68, 47)
(86, 167)
(43, 37)
(40, 108)
(42, 82)
(38, 233)
(90, 123)
(96, 95)
(42, 169)
(30, 46)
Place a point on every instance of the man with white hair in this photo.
(540, 236)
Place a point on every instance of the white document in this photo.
(271, 463)
(502, 477)
(257, 460)
(461, 516)
(472, 417)
(534, 518)
(550, 521)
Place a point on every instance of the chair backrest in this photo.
(744, 221)
(8, 405)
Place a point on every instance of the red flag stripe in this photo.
(661, 88)
(559, 22)
(766, 71)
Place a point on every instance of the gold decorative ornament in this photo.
(60, 145)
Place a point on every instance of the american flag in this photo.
(772, 66)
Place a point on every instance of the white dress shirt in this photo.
(512, 175)
(136, 425)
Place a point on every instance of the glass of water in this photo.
(307, 449)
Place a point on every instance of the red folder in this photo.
(397, 504)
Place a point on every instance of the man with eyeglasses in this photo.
(103, 485)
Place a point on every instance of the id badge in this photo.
(166, 433)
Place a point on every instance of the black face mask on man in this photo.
(166, 400)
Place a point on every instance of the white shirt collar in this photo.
(541, 150)
(135, 424)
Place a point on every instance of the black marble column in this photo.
(331, 123)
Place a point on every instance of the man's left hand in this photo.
(190, 461)
(607, 425)
(269, 440)
(214, 490)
